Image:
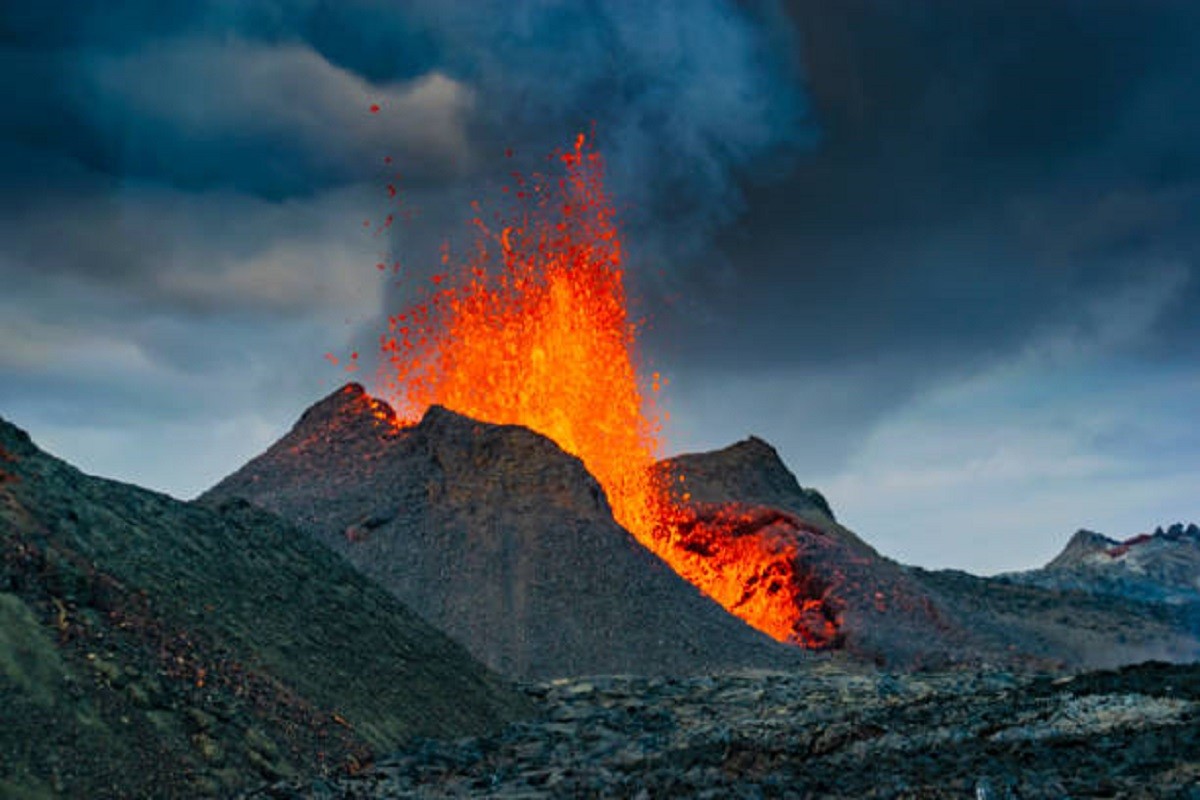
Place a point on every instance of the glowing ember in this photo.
(534, 330)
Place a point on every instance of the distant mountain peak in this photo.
(1083, 544)
(1179, 531)
(1088, 548)
(1159, 566)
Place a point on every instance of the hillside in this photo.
(495, 535)
(1161, 567)
(153, 647)
(499, 538)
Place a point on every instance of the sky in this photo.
(942, 255)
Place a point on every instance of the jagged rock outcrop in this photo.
(496, 536)
(1081, 547)
(150, 647)
(1160, 567)
(750, 472)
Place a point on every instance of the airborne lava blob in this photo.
(534, 330)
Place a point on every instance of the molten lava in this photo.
(534, 330)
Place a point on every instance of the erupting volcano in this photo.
(534, 329)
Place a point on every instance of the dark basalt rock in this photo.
(751, 472)
(882, 614)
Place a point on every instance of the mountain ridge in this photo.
(1161, 567)
(497, 536)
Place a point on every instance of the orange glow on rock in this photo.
(747, 558)
(534, 329)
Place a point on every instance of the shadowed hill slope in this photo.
(153, 647)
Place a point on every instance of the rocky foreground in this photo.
(155, 648)
(830, 730)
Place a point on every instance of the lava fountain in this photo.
(534, 329)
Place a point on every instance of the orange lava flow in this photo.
(534, 329)
(747, 559)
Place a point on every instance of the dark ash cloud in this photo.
(928, 249)
(985, 169)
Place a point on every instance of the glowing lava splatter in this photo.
(534, 329)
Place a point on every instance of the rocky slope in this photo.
(882, 614)
(820, 732)
(155, 648)
(1067, 629)
(496, 536)
(152, 647)
(1160, 567)
(906, 616)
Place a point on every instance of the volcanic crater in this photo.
(497, 536)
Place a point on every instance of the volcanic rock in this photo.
(495, 535)
(750, 472)
(150, 647)
(1066, 628)
(825, 731)
(1163, 566)
(907, 616)
(498, 537)
(877, 609)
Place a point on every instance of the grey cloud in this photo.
(274, 120)
(833, 210)
(986, 168)
(151, 249)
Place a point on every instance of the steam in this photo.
(681, 100)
